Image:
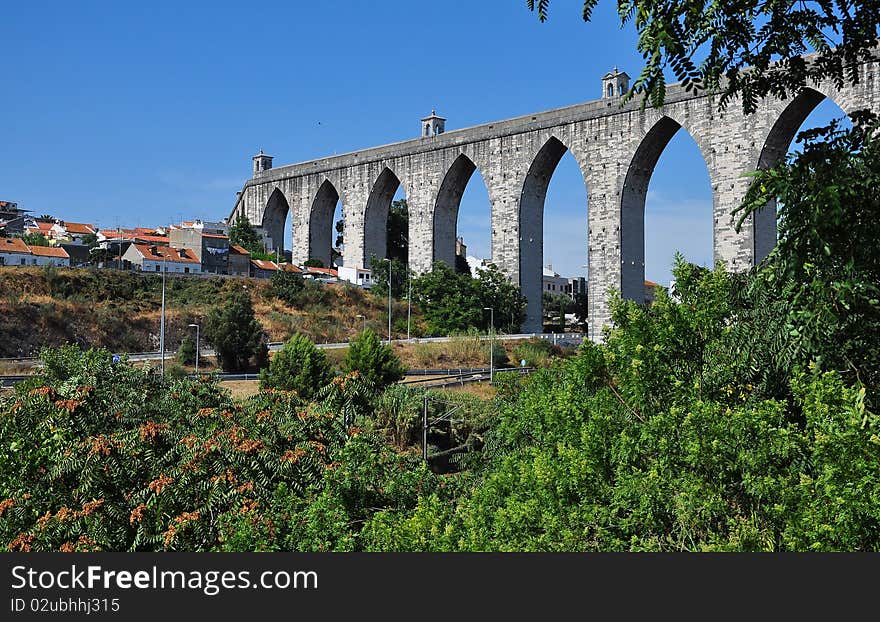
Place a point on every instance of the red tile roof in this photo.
(156, 253)
(49, 251)
(215, 235)
(238, 249)
(328, 271)
(14, 245)
(42, 227)
(650, 283)
(289, 267)
(78, 228)
(153, 239)
(262, 264)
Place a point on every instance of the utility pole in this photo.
(162, 320)
(389, 300)
(408, 300)
(491, 343)
(425, 429)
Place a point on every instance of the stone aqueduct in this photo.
(616, 147)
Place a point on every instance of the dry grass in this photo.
(482, 390)
(241, 389)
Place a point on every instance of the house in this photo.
(362, 277)
(552, 283)
(14, 252)
(263, 269)
(13, 219)
(320, 274)
(50, 256)
(211, 249)
(239, 263)
(152, 258)
(72, 232)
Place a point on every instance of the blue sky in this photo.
(145, 114)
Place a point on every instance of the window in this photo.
(610, 90)
(439, 130)
(23, 261)
(427, 130)
(157, 267)
(186, 270)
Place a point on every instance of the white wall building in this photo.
(152, 258)
(50, 256)
(14, 252)
(362, 277)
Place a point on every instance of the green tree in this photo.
(286, 286)
(497, 292)
(314, 263)
(235, 334)
(708, 46)
(819, 290)
(186, 353)
(34, 239)
(298, 366)
(398, 231)
(450, 302)
(243, 234)
(379, 270)
(374, 361)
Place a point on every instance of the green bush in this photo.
(374, 361)
(286, 286)
(234, 333)
(186, 353)
(299, 366)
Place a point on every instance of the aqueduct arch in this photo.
(616, 146)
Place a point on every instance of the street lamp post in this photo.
(389, 300)
(408, 300)
(491, 343)
(162, 319)
(365, 321)
(197, 346)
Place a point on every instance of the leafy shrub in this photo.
(299, 366)
(374, 361)
(234, 333)
(186, 353)
(286, 286)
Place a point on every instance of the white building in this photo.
(151, 258)
(14, 252)
(362, 277)
(50, 256)
(554, 284)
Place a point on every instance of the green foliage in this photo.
(398, 231)
(821, 285)
(708, 46)
(374, 361)
(299, 366)
(186, 353)
(286, 286)
(453, 302)
(535, 352)
(241, 233)
(399, 273)
(314, 263)
(34, 239)
(234, 333)
(104, 456)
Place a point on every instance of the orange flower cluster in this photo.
(150, 430)
(22, 543)
(137, 514)
(249, 505)
(263, 415)
(47, 391)
(246, 487)
(229, 476)
(293, 455)
(189, 441)
(205, 412)
(355, 431)
(44, 520)
(83, 544)
(68, 405)
(100, 445)
(5, 505)
(159, 483)
(90, 506)
(321, 448)
(186, 517)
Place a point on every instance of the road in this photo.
(563, 339)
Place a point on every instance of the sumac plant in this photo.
(104, 456)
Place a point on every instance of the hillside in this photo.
(121, 310)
